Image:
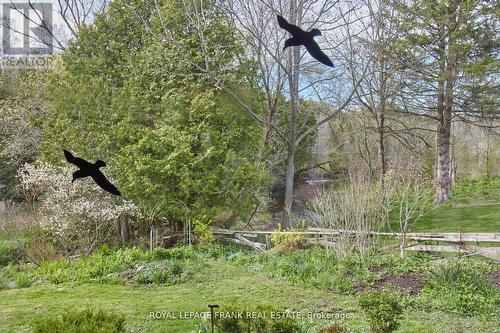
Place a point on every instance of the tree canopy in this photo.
(126, 93)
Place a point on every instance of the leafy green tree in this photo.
(128, 94)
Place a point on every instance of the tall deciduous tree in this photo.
(256, 22)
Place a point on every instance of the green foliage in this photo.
(3, 281)
(182, 252)
(167, 273)
(485, 189)
(8, 177)
(308, 266)
(106, 266)
(185, 150)
(26, 279)
(203, 232)
(221, 251)
(459, 286)
(288, 242)
(85, 321)
(19, 108)
(414, 262)
(260, 319)
(383, 311)
(334, 328)
(102, 266)
(315, 267)
(103, 263)
(10, 252)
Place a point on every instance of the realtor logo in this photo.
(27, 28)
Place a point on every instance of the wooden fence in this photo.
(457, 242)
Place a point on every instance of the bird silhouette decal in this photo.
(301, 37)
(88, 169)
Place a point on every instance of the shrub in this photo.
(287, 325)
(71, 210)
(39, 248)
(4, 281)
(356, 208)
(239, 322)
(487, 188)
(10, 252)
(181, 252)
(25, 279)
(204, 233)
(86, 321)
(288, 242)
(334, 328)
(383, 310)
(167, 273)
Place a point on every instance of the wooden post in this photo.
(124, 227)
(150, 238)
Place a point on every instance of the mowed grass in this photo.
(475, 207)
(222, 283)
(461, 218)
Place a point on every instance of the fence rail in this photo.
(461, 242)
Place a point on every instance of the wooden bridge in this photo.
(457, 242)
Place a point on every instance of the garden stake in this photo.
(212, 306)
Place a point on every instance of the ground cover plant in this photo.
(85, 321)
(464, 292)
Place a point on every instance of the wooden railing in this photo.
(461, 242)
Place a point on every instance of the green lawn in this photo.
(222, 283)
(467, 218)
(475, 207)
(457, 218)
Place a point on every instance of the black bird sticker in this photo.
(301, 37)
(88, 169)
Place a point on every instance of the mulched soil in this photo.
(409, 282)
(378, 269)
(494, 277)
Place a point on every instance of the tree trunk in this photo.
(124, 228)
(443, 181)
(488, 164)
(381, 122)
(445, 107)
(381, 148)
(293, 81)
(402, 246)
(382, 161)
(290, 173)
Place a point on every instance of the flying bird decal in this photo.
(91, 169)
(301, 37)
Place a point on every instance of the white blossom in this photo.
(80, 209)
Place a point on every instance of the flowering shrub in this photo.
(77, 216)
